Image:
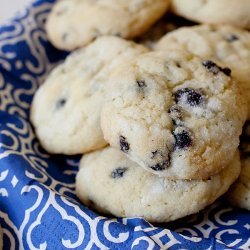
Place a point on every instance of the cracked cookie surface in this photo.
(175, 114)
(66, 109)
(75, 23)
(234, 12)
(111, 183)
(225, 45)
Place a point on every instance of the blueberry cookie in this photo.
(111, 183)
(234, 12)
(239, 193)
(223, 44)
(73, 24)
(66, 109)
(175, 114)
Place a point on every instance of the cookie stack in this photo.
(159, 122)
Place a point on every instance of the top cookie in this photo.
(223, 44)
(75, 23)
(66, 109)
(175, 114)
(234, 12)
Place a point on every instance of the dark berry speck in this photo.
(141, 83)
(182, 138)
(227, 71)
(118, 173)
(124, 145)
(211, 66)
(160, 166)
(60, 103)
(191, 96)
(232, 38)
(214, 68)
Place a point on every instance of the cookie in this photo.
(234, 12)
(111, 183)
(239, 193)
(175, 114)
(73, 24)
(223, 44)
(66, 109)
(166, 24)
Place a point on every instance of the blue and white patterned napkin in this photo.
(38, 206)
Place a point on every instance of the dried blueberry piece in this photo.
(160, 166)
(118, 173)
(182, 137)
(215, 69)
(227, 71)
(191, 96)
(211, 66)
(232, 38)
(61, 103)
(124, 145)
(163, 159)
(141, 84)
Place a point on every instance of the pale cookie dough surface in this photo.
(66, 109)
(75, 23)
(223, 44)
(234, 12)
(111, 183)
(239, 193)
(175, 114)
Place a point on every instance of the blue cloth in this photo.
(38, 206)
